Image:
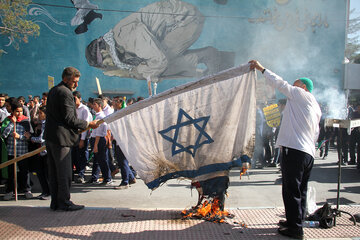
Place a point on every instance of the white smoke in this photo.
(335, 101)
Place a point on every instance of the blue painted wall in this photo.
(292, 38)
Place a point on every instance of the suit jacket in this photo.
(62, 124)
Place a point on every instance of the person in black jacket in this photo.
(61, 133)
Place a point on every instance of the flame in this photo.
(209, 210)
(244, 168)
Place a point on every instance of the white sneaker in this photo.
(80, 180)
(28, 195)
(8, 196)
(109, 184)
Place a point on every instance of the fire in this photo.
(244, 168)
(209, 210)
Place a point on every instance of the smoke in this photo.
(314, 52)
(334, 102)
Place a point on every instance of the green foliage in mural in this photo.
(13, 22)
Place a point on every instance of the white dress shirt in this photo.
(108, 110)
(300, 123)
(102, 129)
(83, 113)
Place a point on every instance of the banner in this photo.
(50, 82)
(197, 131)
(272, 115)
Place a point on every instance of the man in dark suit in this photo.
(61, 133)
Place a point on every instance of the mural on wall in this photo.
(176, 41)
(154, 43)
(84, 16)
(37, 11)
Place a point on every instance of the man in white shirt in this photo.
(107, 108)
(98, 143)
(3, 112)
(107, 111)
(80, 152)
(298, 133)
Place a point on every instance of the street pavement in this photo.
(139, 213)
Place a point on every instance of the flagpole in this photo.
(98, 86)
(15, 166)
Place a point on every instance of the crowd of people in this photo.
(22, 131)
(267, 155)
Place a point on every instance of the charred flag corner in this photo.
(191, 174)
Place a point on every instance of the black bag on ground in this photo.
(325, 215)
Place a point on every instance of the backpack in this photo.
(325, 215)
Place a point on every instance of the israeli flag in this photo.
(198, 131)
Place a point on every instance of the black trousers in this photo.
(296, 167)
(41, 169)
(23, 176)
(60, 174)
(355, 145)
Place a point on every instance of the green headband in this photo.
(309, 84)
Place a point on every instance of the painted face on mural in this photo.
(112, 58)
(145, 45)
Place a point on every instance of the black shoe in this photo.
(290, 233)
(132, 181)
(71, 208)
(43, 196)
(351, 163)
(122, 186)
(283, 223)
(53, 206)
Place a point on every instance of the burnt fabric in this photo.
(197, 131)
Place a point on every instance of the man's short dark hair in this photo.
(99, 101)
(70, 72)
(3, 95)
(104, 97)
(21, 98)
(10, 100)
(14, 105)
(45, 94)
(77, 94)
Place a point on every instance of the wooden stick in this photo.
(22, 157)
(148, 79)
(15, 172)
(98, 86)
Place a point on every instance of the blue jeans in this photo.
(126, 173)
(100, 161)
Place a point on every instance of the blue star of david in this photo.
(187, 121)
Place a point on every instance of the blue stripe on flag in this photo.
(201, 171)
